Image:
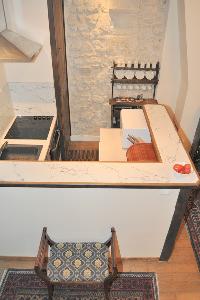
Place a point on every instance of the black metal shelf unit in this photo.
(135, 81)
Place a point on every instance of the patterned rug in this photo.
(192, 219)
(25, 285)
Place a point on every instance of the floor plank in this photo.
(179, 278)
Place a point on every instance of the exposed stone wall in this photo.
(98, 32)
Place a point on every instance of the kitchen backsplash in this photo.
(98, 32)
(33, 98)
(6, 108)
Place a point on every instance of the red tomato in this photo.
(178, 168)
(187, 169)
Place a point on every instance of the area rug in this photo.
(192, 219)
(25, 285)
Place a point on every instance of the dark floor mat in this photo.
(83, 151)
(82, 155)
(192, 219)
(26, 285)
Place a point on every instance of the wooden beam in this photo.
(59, 63)
(176, 223)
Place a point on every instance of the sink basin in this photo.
(21, 152)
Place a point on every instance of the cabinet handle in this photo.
(52, 151)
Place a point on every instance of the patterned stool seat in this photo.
(78, 262)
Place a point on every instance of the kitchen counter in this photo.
(165, 138)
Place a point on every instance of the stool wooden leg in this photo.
(107, 287)
(50, 291)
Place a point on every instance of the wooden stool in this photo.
(76, 263)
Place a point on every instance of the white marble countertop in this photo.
(159, 174)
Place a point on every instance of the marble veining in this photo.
(104, 173)
(91, 173)
(33, 98)
(167, 140)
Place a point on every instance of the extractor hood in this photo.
(13, 46)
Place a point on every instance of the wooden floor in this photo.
(179, 279)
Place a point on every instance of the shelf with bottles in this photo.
(129, 101)
(135, 81)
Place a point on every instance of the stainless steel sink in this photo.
(20, 152)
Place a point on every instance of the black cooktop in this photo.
(30, 127)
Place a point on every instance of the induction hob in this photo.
(30, 127)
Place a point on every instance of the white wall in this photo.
(169, 84)
(179, 77)
(191, 111)
(141, 218)
(183, 62)
(30, 18)
(2, 18)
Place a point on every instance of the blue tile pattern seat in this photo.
(78, 262)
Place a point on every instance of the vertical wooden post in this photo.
(59, 63)
(175, 223)
(195, 148)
